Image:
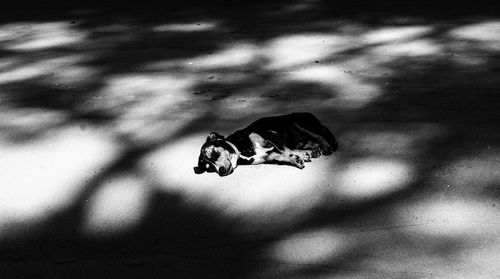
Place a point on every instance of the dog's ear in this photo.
(198, 170)
(213, 136)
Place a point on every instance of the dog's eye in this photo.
(207, 166)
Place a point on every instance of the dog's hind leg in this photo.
(287, 156)
(305, 155)
(314, 147)
(289, 159)
(327, 142)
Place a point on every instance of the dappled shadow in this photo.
(103, 113)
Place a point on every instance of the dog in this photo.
(290, 139)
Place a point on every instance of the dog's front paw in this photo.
(303, 155)
(306, 157)
(298, 162)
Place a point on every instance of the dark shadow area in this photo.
(171, 240)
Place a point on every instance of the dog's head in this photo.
(217, 155)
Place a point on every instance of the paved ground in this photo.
(103, 114)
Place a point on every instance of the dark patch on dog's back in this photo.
(284, 126)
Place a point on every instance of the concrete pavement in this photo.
(103, 115)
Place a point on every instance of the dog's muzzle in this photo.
(224, 171)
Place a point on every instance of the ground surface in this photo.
(103, 114)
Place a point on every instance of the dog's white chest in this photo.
(261, 152)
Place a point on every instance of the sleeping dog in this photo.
(290, 139)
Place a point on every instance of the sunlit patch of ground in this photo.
(274, 195)
(117, 207)
(186, 27)
(264, 194)
(45, 177)
(30, 36)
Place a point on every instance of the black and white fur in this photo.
(290, 139)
